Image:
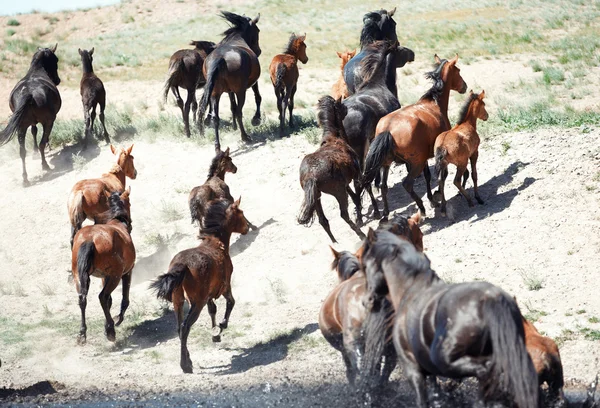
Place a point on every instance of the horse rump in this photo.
(212, 73)
(165, 284)
(174, 69)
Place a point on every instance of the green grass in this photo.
(564, 336)
(552, 75)
(540, 115)
(580, 311)
(10, 32)
(533, 315)
(594, 319)
(20, 47)
(590, 334)
(13, 22)
(532, 281)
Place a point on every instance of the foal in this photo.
(340, 89)
(88, 199)
(458, 146)
(330, 169)
(92, 94)
(284, 76)
(203, 274)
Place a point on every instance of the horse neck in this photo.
(443, 101)
(87, 66)
(399, 286)
(220, 173)
(117, 171)
(224, 236)
(37, 67)
(471, 119)
(390, 73)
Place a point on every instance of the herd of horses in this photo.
(389, 308)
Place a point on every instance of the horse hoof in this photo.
(187, 368)
(246, 139)
(119, 320)
(256, 121)
(45, 167)
(443, 213)
(216, 339)
(110, 335)
(81, 339)
(26, 183)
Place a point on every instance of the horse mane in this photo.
(39, 58)
(346, 264)
(204, 47)
(331, 116)
(239, 24)
(371, 31)
(436, 89)
(398, 225)
(373, 61)
(462, 116)
(215, 164)
(115, 169)
(293, 44)
(116, 211)
(212, 223)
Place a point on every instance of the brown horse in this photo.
(233, 67)
(105, 251)
(330, 169)
(339, 89)
(284, 76)
(88, 197)
(92, 94)
(185, 71)
(34, 99)
(408, 135)
(458, 146)
(203, 274)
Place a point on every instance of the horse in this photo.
(343, 314)
(105, 251)
(339, 89)
(34, 99)
(185, 71)
(458, 146)
(408, 135)
(377, 26)
(203, 274)
(88, 197)
(92, 93)
(284, 76)
(372, 101)
(233, 67)
(452, 330)
(330, 169)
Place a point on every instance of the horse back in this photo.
(92, 90)
(94, 193)
(460, 143)
(291, 68)
(352, 71)
(242, 67)
(44, 96)
(186, 66)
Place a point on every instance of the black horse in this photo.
(35, 99)
(452, 330)
(92, 93)
(233, 67)
(372, 101)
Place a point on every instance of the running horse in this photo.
(92, 93)
(459, 330)
(35, 99)
(232, 67)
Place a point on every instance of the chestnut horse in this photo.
(408, 134)
(92, 93)
(458, 146)
(88, 197)
(105, 251)
(343, 314)
(330, 169)
(203, 274)
(34, 99)
(339, 89)
(284, 76)
(233, 67)
(459, 330)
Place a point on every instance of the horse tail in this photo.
(85, 264)
(376, 331)
(211, 77)
(440, 160)
(379, 150)
(280, 76)
(76, 214)
(174, 69)
(511, 367)
(195, 203)
(165, 284)
(307, 211)
(14, 123)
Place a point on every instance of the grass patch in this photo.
(47, 290)
(20, 47)
(13, 22)
(564, 336)
(580, 311)
(542, 114)
(590, 334)
(18, 290)
(170, 211)
(532, 281)
(594, 319)
(156, 240)
(552, 75)
(10, 32)
(78, 161)
(278, 288)
(505, 148)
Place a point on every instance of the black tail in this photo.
(211, 77)
(512, 371)
(379, 150)
(307, 211)
(165, 284)
(376, 334)
(440, 160)
(85, 263)
(279, 76)
(14, 123)
(195, 205)
(174, 70)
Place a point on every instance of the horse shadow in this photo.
(148, 267)
(266, 353)
(150, 332)
(244, 241)
(63, 161)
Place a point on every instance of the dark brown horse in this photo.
(92, 94)
(455, 331)
(105, 250)
(284, 76)
(340, 89)
(458, 146)
(185, 71)
(35, 99)
(203, 274)
(233, 67)
(330, 169)
(408, 135)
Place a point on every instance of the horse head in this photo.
(46, 59)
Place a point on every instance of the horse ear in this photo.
(126, 193)
(482, 94)
(53, 49)
(336, 254)
(391, 12)
(113, 149)
(79, 50)
(227, 152)
(455, 59)
(238, 201)
(91, 51)
(128, 151)
(371, 236)
(352, 53)
(437, 59)
(339, 54)
(255, 20)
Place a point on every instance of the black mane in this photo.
(214, 165)
(212, 223)
(292, 45)
(346, 264)
(436, 89)
(398, 225)
(465, 108)
(331, 115)
(116, 211)
(373, 64)
(239, 24)
(371, 30)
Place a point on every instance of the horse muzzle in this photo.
(464, 88)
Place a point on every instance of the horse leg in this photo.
(194, 107)
(417, 379)
(409, 182)
(178, 98)
(457, 182)
(323, 220)
(258, 100)
(291, 105)
(391, 359)
(465, 178)
(376, 212)
(427, 175)
(110, 284)
(214, 103)
(34, 134)
(82, 292)
(186, 111)
(385, 171)
(441, 186)
(44, 142)
(358, 203)
(351, 353)
(178, 300)
(474, 157)
(284, 104)
(233, 109)
(342, 199)
(349, 362)
(230, 303)
(92, 119)
(21, 136)
(106, 137)
(241, 99)
(190, 319)
(87, 132)
(126, 283)
(212, 312)
(279, 96)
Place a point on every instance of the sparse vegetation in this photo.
(564, 336)
(590, 334)
(170, 211)
(532, 281)
(594, 319)
(47, 290)
(13, 22)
